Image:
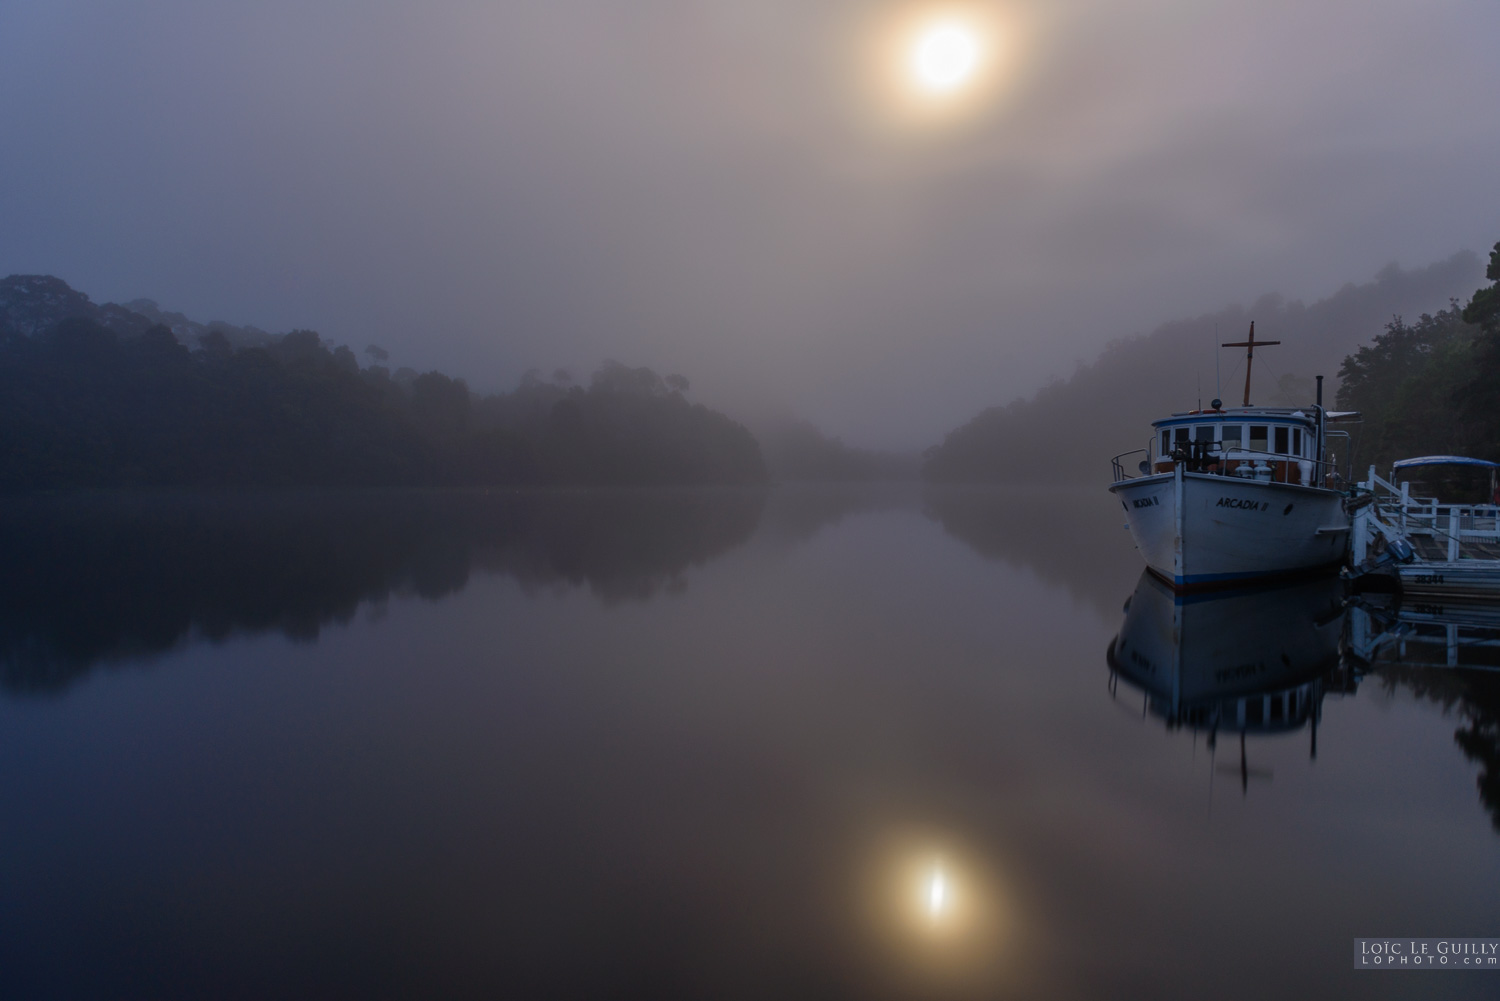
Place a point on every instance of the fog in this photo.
(747, 193)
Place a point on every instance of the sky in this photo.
(757, 194)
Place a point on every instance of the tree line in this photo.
(1424, 387)
(108, 397)
(1433, 386)
(83, 406)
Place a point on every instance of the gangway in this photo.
(1436, 549)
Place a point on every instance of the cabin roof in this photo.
(1243, 411)
(1271, 415)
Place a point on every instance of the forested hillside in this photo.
(103, 397)
(1432, 386)
(1068, 430)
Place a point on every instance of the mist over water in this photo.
(720, 742)
(745, 193)
(571, 499)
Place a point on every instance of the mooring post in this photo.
(1360, 535)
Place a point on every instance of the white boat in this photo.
(1236, 495)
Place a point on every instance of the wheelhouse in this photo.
(1267, 444)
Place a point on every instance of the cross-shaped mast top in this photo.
(1249, 347)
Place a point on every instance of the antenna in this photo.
(1218, 382)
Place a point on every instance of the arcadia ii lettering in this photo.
(1241, 503)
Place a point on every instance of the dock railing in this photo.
(1457, 531)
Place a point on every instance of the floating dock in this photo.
(1431, 549)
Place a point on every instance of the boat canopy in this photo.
(1444, 460)
(1257, 415)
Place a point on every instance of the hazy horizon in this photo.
(745, 194)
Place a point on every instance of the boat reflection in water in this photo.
(1260, 662)
(1252, 662)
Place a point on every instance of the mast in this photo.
(1249, 347)
(1322, 476)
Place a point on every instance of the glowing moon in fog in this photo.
(945, 57)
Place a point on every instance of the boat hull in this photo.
(1204, 530)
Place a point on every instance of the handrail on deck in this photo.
(1241, 454)
(1119, 469)
(1321, 467)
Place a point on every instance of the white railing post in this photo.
(1452, 533)
(1360, 535)
(1359, 632)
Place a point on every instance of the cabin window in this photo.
(1181, 438)
(1296, 441)
(1258, 437)
(1203, 432)
(1231, 437)
(1166, 443)
(1281, 440)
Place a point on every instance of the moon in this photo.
(945, 57)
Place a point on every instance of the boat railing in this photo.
(1119, 467)
(1320, 466)
(1199, 456)
(1277, 465)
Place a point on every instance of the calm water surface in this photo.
(871, 743)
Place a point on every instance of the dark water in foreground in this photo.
(803, 743)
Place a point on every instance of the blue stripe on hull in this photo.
(1211, 580)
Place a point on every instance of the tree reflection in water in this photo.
(105, 578)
